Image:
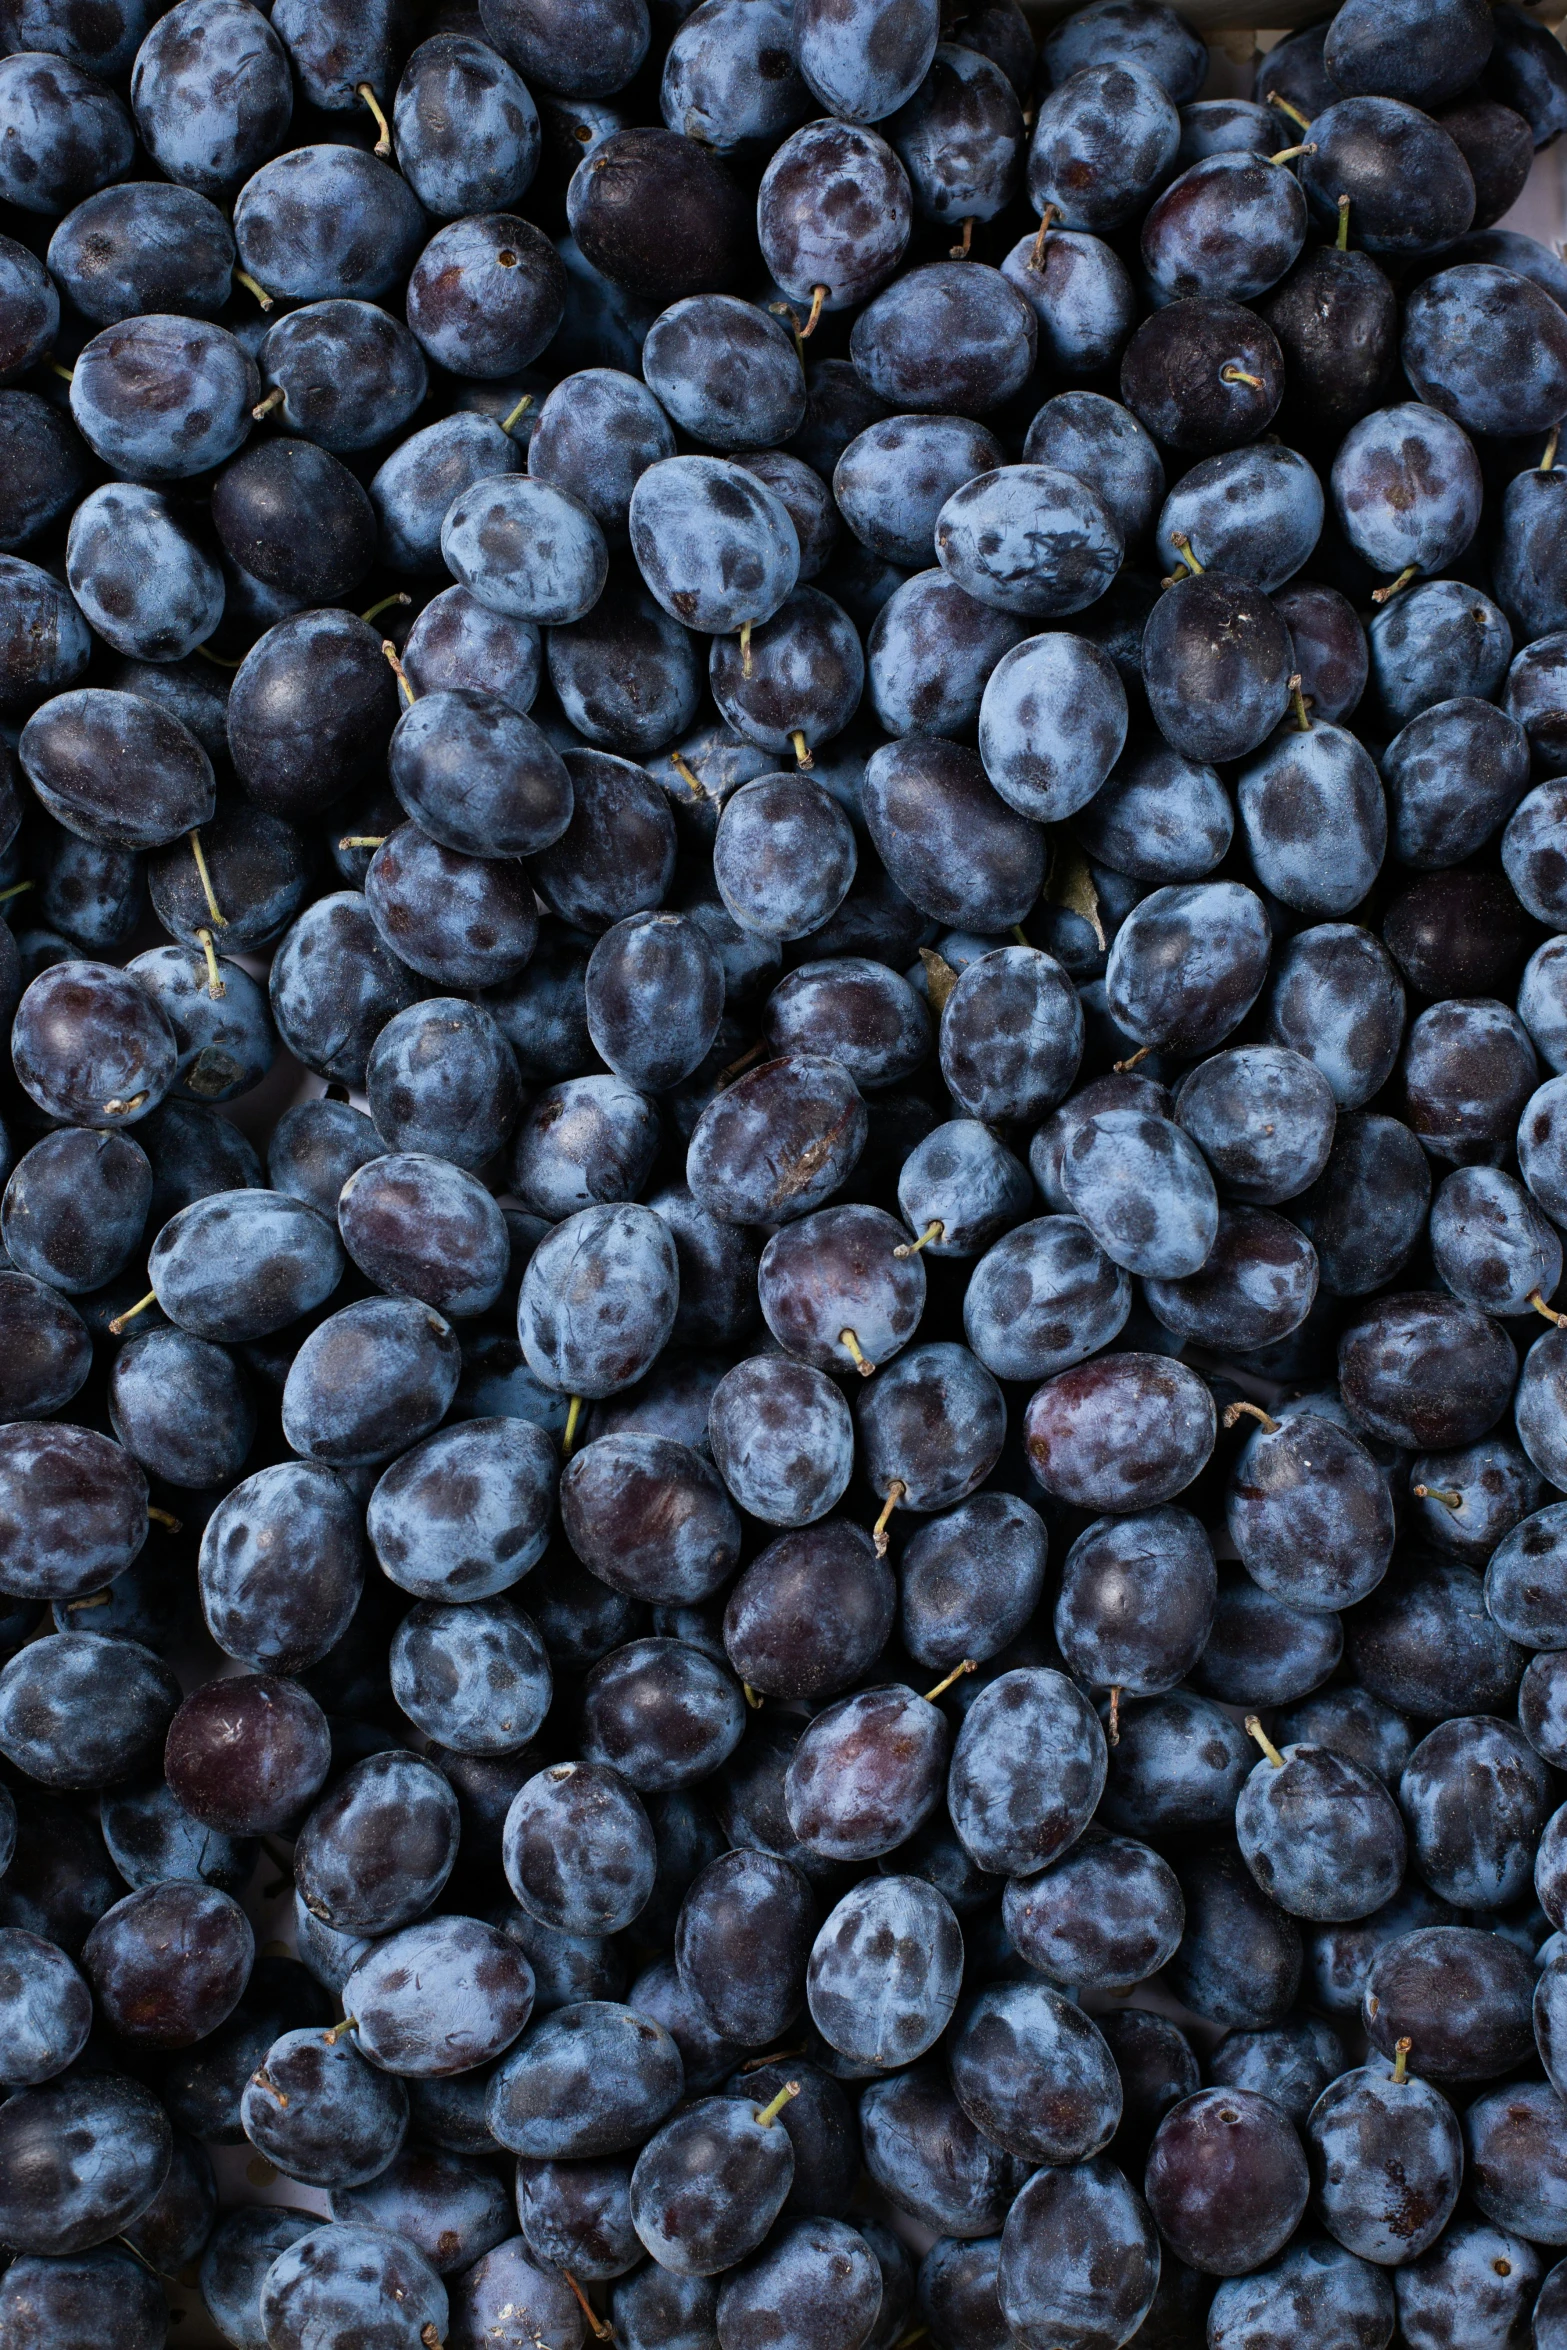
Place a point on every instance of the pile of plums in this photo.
(783, 1357)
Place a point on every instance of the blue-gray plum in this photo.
(863, 62)
(525, 548)
(834, 211)
(970, 1580)
(1310, 2283)
(1011, 1035)
(1080, 293)
(1009, 2043)
(893, 479)
(1031, 539)
(1337, 999)
(1488, 349)
(960, 137)
(1320, 1833)
(714, 544)
(1310, 1512)
(1043, 1297)
(140, 576)
(598, 432)
(1255, 514)
(1080, 2258)
(325, 222)
(1483, 1857)
(962, 1179)
(1436, 642)
(730, 79)
(1394, 525)
(1136, 1602)
(1523, 1582)
(1120, 1432)
(1103, 140)
(467, 130)
(1104, 446)
(725, 372)
(1230, 225)
(797, 679)
(1052, 725)
(953, 336)
(1104, 1917)
(1027, 1771)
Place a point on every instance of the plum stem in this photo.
(1548, 460)
(15, 890)
(165, 1518)
(784, 310)
(756, 2064)
(385, 605)
(218, 917)
(1141, 1054)
(1254, 1729)
(963, 251)
(895, 1493)
(688, 775)
(1020, 934)
(745, 647)
(970, 1664)
(263, 2080)
(860, 1360)
(934, 1230)
(770, 2112)
(1550, 1313)
(1298, 701)
(430, 2337)
(383, 145)
(263, 408)
(802, 749)
(1401, 2050)
(364, 840)
(394, 661)
(121, 1105)
(1448, 1495)
(506, 422)
(1293, 112)
(67, 375)
(751, 1698)
(601, 2331)
(744, 1062)
(93, 1599)
(1341, 241)
(1288, 154)
(215, 986)
(216, 659)
(1036, 258)
(940, 979)
(1233, 1411)
(1115, 1715)
(1180, 539)
(350, 2023)
(1231, 374)
(819, 295)
(1385, 595)
(242, 277)
(573, 1415)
